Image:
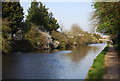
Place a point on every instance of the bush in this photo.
(70, 43)
(61, 37)
(22, 46)
(38, 39)
(6, 37)
(6, 45)
(81, 37)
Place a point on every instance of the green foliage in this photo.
(6, 48)
(31, 33)
(33, 39)
(26, 27)
(13, 12)
(97, 36)
(108, 15)
(38, 39)
(33, 36)
(22, 46)
(6, 37)
(6, 30)
(75, 37)
(75, 29)
(70, 42)
(12, 15)
(39, 15)
(59, 37)
(80, 36)
(97, 69)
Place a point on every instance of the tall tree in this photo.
(39, 15)
(108, 15)
(13, 12)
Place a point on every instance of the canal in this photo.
(64, 64)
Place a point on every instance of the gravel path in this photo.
(111, 64)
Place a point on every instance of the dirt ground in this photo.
(112, 63)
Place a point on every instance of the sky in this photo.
(68, 13)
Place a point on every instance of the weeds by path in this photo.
(97, 69)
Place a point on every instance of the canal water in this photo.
(65, 64)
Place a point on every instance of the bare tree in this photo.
(94, 22)
(61, 26)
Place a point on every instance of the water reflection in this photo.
(67, 64)
(78, 53)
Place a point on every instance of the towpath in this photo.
(112, 63)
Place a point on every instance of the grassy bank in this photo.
(97, 69)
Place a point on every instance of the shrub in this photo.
(61, 37)
(22, 46)
(38, 39)
(6, 37)
(6, 46)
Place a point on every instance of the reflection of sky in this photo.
(79, 61)
(68, 13)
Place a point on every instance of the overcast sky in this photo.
(68, 13)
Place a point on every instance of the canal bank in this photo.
(97, 69)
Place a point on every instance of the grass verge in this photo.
(97, 69)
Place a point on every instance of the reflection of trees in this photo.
(94, 48)
(78, 53)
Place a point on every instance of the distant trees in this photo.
(39, 15)
(79, 36)
(13, 12)
(75, 29)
